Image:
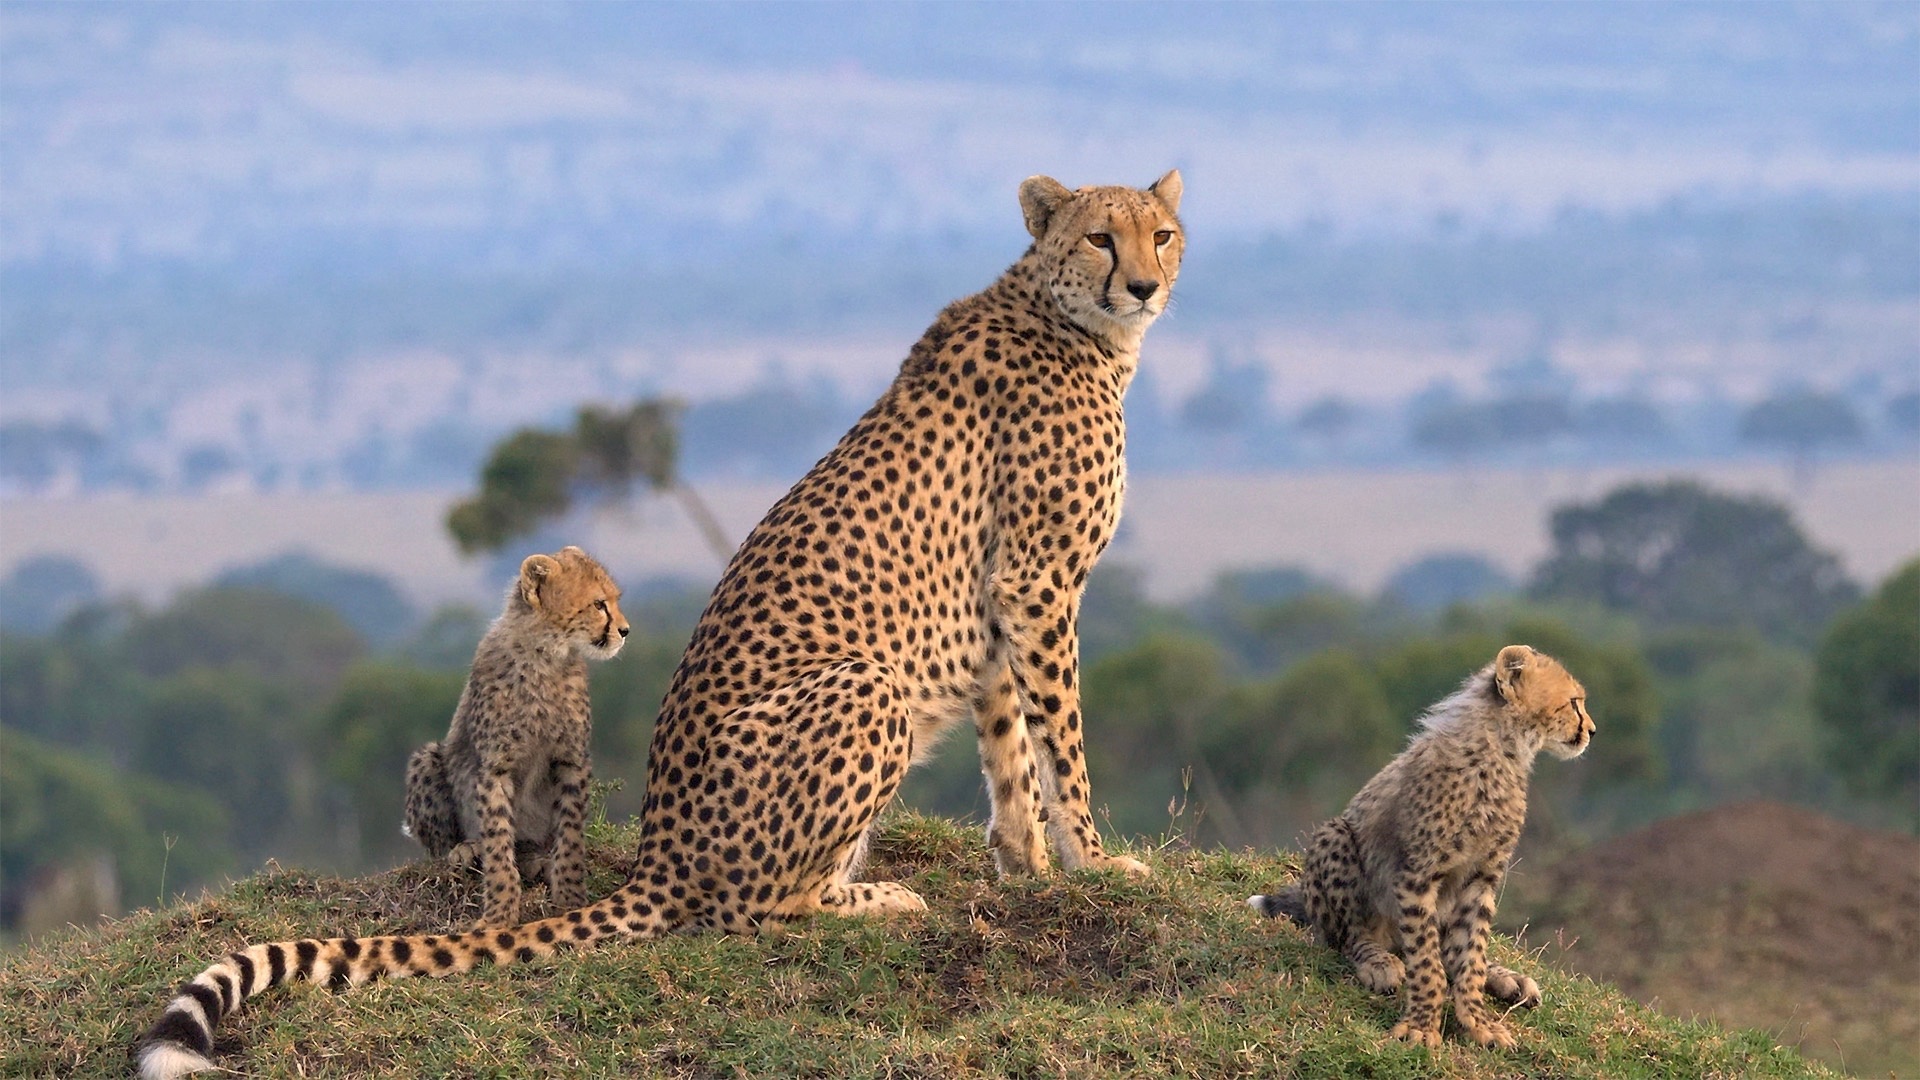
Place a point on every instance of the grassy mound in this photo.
(1756, 914)
(1066, 976)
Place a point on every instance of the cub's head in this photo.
(1111, 253)
(1543, 699)
(576, 597)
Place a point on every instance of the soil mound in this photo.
(1758, 914)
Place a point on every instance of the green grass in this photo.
(1087, 975)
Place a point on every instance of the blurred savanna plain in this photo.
(1592, 327)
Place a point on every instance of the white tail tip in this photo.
(166, 1061)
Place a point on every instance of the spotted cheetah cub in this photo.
(1404, 881)
(508, 786)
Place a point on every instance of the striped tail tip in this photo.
(177, 1045)
(1287, 903)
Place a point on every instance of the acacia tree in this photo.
(534, 475)
(1679, 553)
(1328, 421)
(1801, 421)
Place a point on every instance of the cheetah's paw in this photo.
(1125, 864)
(1014, 856)
(1417, 1036)
(1512, 988)
(1488, 1032)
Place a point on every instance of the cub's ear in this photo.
(1508, 668)
(1167, 190)
(533, 573)
(1040, 196)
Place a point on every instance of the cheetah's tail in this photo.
(178, 1044)
(1288, 902)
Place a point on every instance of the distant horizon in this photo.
(1349, 528)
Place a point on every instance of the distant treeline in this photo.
(1696, 262)
(1535, 414)
(270, 714)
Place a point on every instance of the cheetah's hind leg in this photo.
(845, 730)
(430, 816)
(842, 895)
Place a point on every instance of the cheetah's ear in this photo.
(1508, 667)
(1167, 190)
(1040, 196)
(533, 572)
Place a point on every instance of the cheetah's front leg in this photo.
(498, 868)
(1046, 674)
(1465, 957)
(1416, 895)
(1014, 833)
(566, 864)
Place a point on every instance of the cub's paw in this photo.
(1382, 974)
(1487, 1031)
(1509, 987)
(1125, 864)
(1417, 1036)
(496, 921)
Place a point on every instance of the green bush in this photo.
(1866, 690)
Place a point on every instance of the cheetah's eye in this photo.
(1162, 237)
(600, 604)
(1100, 240)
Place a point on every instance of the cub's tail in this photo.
(1287, 902)
(178, 1044)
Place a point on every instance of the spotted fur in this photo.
(1404, 882)
(507, 789)
(925, 573)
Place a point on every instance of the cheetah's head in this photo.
(1111, 253)
(576, 597)
(1543, 699)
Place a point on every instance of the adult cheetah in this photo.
(927, 571)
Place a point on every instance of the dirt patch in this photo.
(1757, 914)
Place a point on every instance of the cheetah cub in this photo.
(1403, 883)
(508, 786)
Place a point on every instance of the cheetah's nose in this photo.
(1143, 289)
(625, 630)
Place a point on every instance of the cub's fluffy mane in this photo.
(1476, 713)
(1473, 704)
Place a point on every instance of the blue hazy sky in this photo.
(214, 133)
